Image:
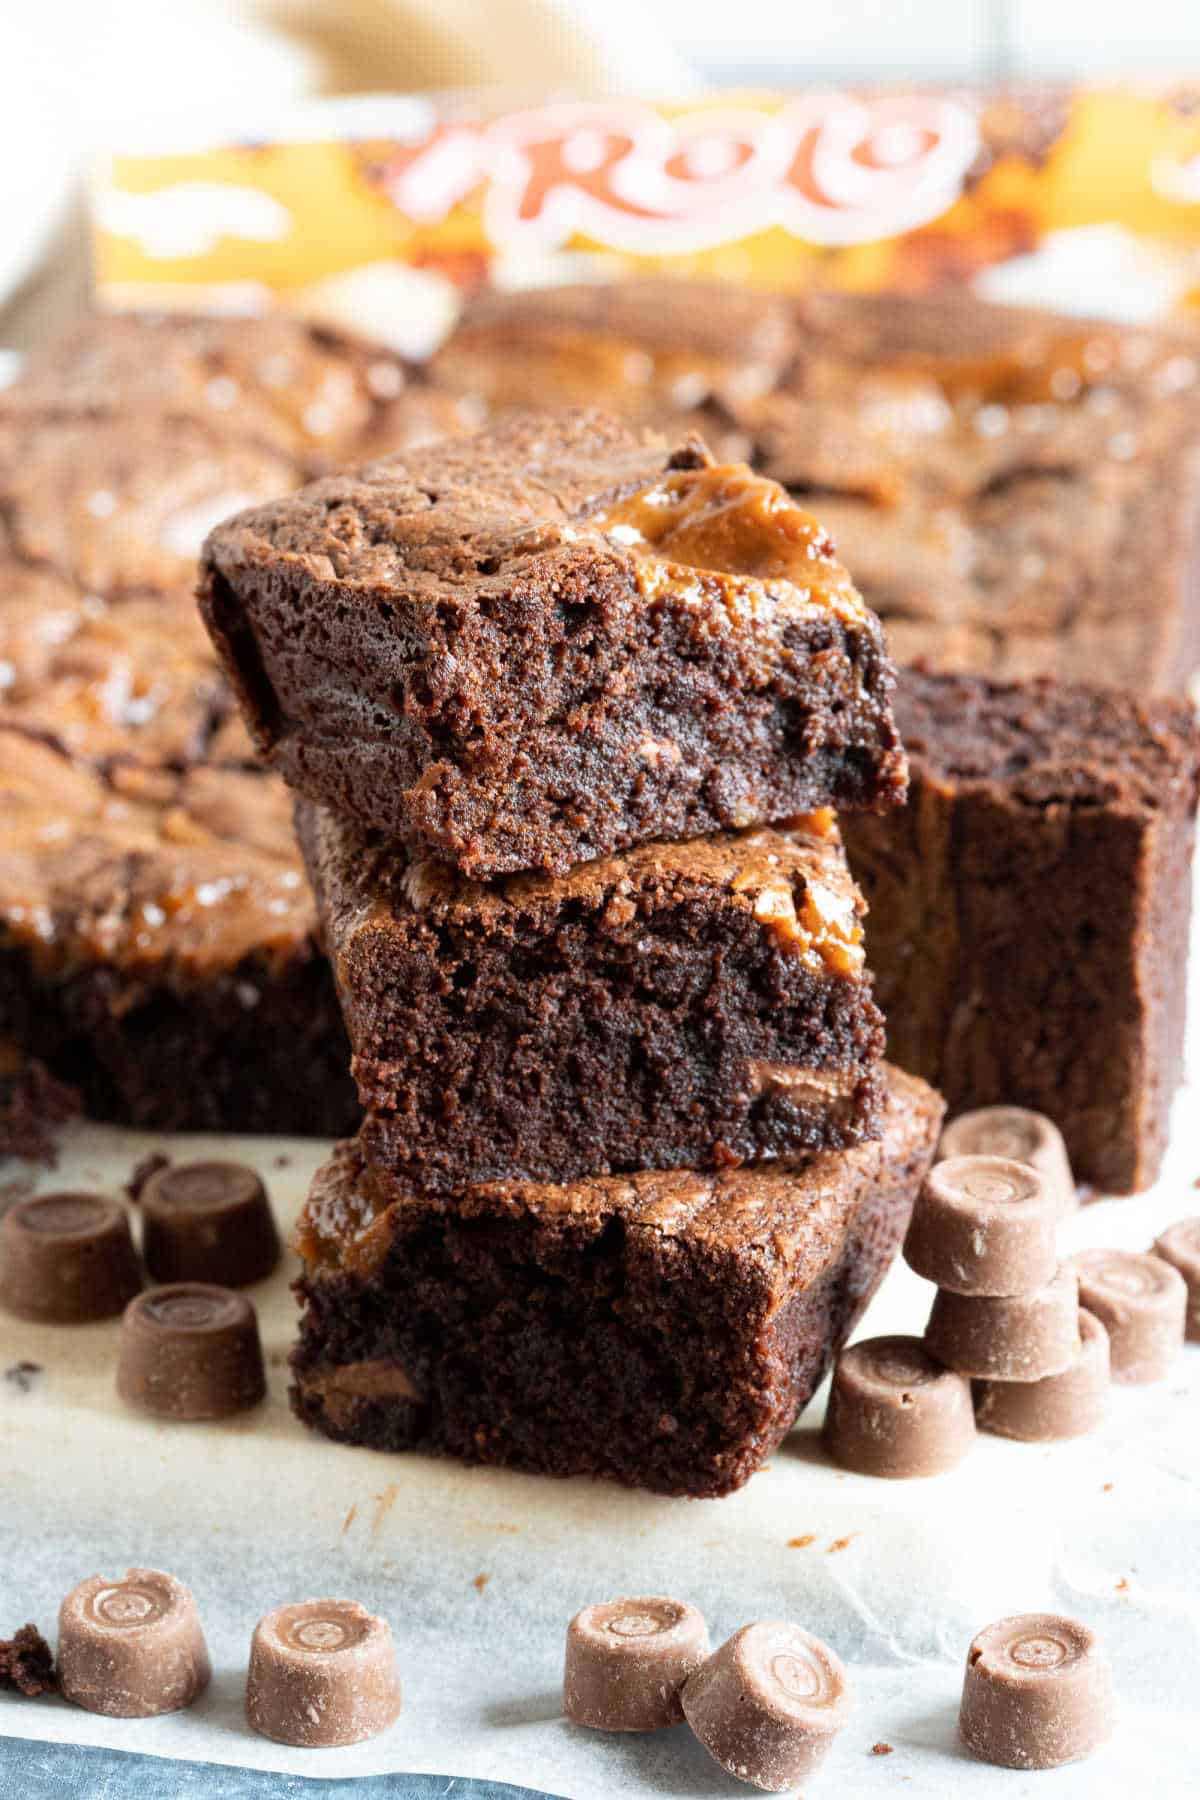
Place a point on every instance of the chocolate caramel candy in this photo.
(895, 1412)
(1141, 1301)
(768, 1704)
(208, 1221)
(627, 1660)
(983, 1225)
(1037, 1692)
(190, 1351)
(1179, 1245)
(1016, 1337)
(1059, 1406)
(131, 1648)
(66, 1259)
(322, 1673)
(1018, 1135)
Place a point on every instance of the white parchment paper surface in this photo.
(479, 1570)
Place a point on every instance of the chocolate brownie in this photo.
(317, 396)
(664, 1329)
(1030, 907)
(682, 1005)
(157, 946)
(33, 1104)
(549, 642)
(991, 475)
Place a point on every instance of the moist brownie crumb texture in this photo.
(157, 947)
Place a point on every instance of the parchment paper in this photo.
(479, 1570)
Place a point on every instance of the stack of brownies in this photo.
(569, 717)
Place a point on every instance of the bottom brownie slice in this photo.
(664, 1329)
(1030, 906)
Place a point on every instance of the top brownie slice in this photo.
(552, 641)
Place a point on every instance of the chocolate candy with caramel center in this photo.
(131, 1648)
(895, 1412)
(1142, 1303)
(1018, 1135)
(322, 1673)
(1179, 1245)
(1059, 1406)
(208, 1221)
(66, 1259)
(1037, 1692)
(627, 1660)
(190, 1351)
(768, 1704)
(983, 1225)
(1016, 1337)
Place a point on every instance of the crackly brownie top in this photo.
(789, 1218)
(302, 389)
(651, 346)
(140, 867)
(127, 680)
(123, 504)
(793, 881)
(1046, 742)
(465, 517)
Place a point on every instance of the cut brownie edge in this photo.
(664, 1330)
(682, 1005)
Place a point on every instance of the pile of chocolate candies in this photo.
(767, 1705)
(1018, 1343)
(190, 1346)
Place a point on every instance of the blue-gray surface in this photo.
(38, 1771)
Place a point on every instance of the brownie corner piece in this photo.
(679, 1005)
(552, 641)
(1030, 907)
(661, 1329)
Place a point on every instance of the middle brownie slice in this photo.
(681, 1006)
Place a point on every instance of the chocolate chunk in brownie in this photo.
(549, 642)
(27, 1664)
(313, 394)
(664, 1329)
(1030, 907)
(678, 1006)
(157, 945)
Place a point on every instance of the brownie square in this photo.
(549, 642)
(1030, 907)
(157, 947)
(662, 1329)
(683, 1005)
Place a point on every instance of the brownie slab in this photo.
(157, 946)
(549, 642)
(662, 1329)
(682, 1005)
(1030, 907)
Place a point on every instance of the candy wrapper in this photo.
(382, 213)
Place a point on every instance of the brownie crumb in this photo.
(22, 1375)
(480, 1582)
(802, 1543)
(282, 1161)
(842, 1543)
(881, 1749)
(27, 1664)
(32, 1103)
(141, 1173)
